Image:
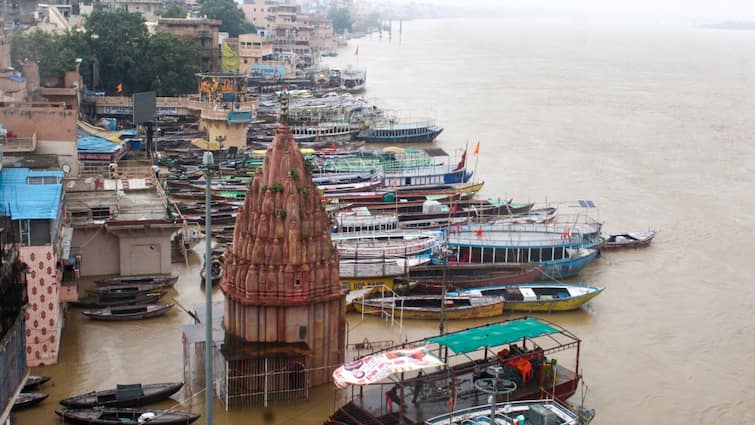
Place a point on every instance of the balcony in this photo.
(12, 363)
(18, 144)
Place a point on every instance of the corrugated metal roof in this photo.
(21, 200)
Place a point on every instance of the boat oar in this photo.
(189, 312)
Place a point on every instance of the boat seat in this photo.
(128, 391)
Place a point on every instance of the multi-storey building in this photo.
(200, 30)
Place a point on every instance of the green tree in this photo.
(173, 11)
(118, 44)
(232, 17)
(171, 66)
(340, 19)
(118, 39)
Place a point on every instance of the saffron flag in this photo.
(476, 148)
(356, 52)
(229, 59)
(119, 88)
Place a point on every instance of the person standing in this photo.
(417, 387)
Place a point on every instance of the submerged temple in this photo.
(283, 300)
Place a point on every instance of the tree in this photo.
(232, 17)
(124, 53)
(173, 11)
(118, 40)
(172, 65)
(341, 19)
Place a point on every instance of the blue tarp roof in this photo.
(24, 201)
(86, 142)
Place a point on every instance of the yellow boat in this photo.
(429, 307)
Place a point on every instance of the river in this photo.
(655, 125)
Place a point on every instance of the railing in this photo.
(12, 363)
(19, 144)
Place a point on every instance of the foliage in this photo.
(173, 11)
(294, 173)
(171, 66)
(282, 213)
(117, 45)
(276, 187)
(341, 19)
(232, 17)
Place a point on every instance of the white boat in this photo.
(379, 267)
(399, 244)
(515, 412)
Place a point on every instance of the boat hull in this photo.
(548, 306)
(118, 416)
(477, 310)
(152, 393)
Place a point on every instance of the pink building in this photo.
(33, 200)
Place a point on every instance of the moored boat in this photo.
(35, 381)
(104, 300)
(168, 279)
(392, 131)
(521, 351)
(124, 415)
(431, 278)
(538, 296)
(397, 244)
(25, 400)
(629, 240)
(129, 312)
(128, 290)
(431, 307)
(545, 411)
(131, 395)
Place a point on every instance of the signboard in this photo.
(373, 368)
(128, 110)
(145, 104)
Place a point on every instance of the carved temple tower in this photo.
(283, 299)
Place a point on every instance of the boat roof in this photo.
(496, 334)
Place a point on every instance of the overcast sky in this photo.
(688, 10)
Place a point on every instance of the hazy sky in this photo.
(691, 10)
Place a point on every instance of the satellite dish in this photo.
(66, 168)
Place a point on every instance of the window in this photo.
(102, 213)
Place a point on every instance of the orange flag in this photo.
(476, 148)
(119, 88)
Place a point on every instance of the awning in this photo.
(373, 368)
(493, 335)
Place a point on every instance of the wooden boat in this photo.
(25, 400)
(520, 350)
(124, 396)
(462, 191)
(385, 244)
(170, 279)
(129, 312)
(545, 411)
(35, 381)
(538, 296)
(124, 415)
(429, 307)
(629, 240)
(128, 290)
(431, 278)
(104, 300)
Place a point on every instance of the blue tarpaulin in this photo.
(86, 142)
(27, 194)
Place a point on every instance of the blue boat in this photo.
(394, 132)
(563, 254)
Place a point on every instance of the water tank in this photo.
(430, 206)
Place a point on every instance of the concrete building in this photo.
(200, 30)
(33, 202)
(121, 225)
(254, 50)
(257, 12)
(147, 8)
(12, 324)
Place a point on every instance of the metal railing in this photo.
(12, 363)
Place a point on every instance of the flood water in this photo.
(655, 125)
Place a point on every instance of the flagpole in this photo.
(476, 159)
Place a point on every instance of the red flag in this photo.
(462, 162)
(454, 208)
(478, 232)
(356, 52)
(476, 148)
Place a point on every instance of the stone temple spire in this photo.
(281, 280)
